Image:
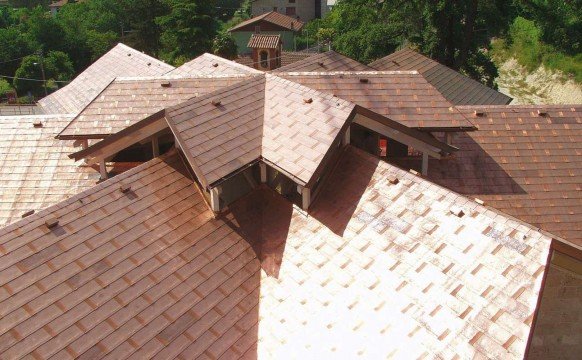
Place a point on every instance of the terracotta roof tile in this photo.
(403, 96)
(370, 274)
(457, 88)
(119, 61)
(521, 163)
(208, 64)
(35, 171)
(127, 100)
(275, 18)
(328, 61)
(261, 41)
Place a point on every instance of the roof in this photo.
(125, 101)
(208, 64)
(265, 116)
(384, 270)
(35, 171)
(260, 41)
(119, 61)
(327, 61)
(275, 18)
(456, 87)
(403, 96)
(526, 165)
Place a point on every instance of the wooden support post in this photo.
(424, 164)
(215, 199)
(346, 138)
(449, 138)
(155, 146)
(250, 179)
(84, 144)
(306, 197)
(263, 168)
(103, 169)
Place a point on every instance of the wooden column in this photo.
(424, 164)
(306, 197)
(263, 168)
(102, 169)
(155, 146)
(215, 199)
(449, 138)
(346, 138)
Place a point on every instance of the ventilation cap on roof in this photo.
(393, 180)
(125, 188)
(51, 222)
(364, 80)
(308, 100)
(457, 211)
(37, 124)
(542, 112)
(479, 113)
(479, 201)
(166, 84)
(216, 102)
(215, 64)
(28, 213)
(320, 63)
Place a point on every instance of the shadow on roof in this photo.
(341, 193)
(263, 218)
(470, 172)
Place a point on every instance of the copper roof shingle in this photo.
(208, 64)
(35, 171)
(266, 116)
(524, 164)
(127, 100)
(275, 18)
(385, 270)
(119, 61)
(403, 96)
(327, 61)
(261, 41)
(456, 87)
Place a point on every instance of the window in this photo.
(291, 1)
(264, 58)
(274, 8)
(257, 29)
(290, 11)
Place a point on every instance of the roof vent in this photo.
(166, 84)
(37, 124)
(479, 113)
(320, 63)
(414, 172)
(216, 102)
(28, 213)
(149, 64)
(364, 80)
(542, 112)
(393, 180)
(128, 54)
(395, 62)
(457, 211)
(125, 188)
(51, 222)
(308, 101)
(215, 65)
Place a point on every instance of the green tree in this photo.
(189, 28)
(224, 45)
(145, 32)
(13, 46)
(4, 87)
(57, 65)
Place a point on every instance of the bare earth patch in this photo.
(539, 87)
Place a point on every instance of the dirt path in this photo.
(539, 87)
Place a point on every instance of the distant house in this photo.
(271, 23)
(304, 10)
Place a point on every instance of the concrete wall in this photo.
(242, 39)
(304, 9)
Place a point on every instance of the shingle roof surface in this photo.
(119, 61)
(265, 116)
(126, 101)
(384, 270)
(35, 171)
(457, 88)
(403, 96)
(275, 18)
(260, 41)
(526, 165)
(327, 61)
(208, 64)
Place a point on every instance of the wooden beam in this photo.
(346, 138)
(449, 136)
(263, 168)
(424, 164)
(215, 199)
(250, 179)
(397, 135)
(124, 142)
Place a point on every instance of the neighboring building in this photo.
(266, 51)
(272, 215)
(271, 23)
(304, 10)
